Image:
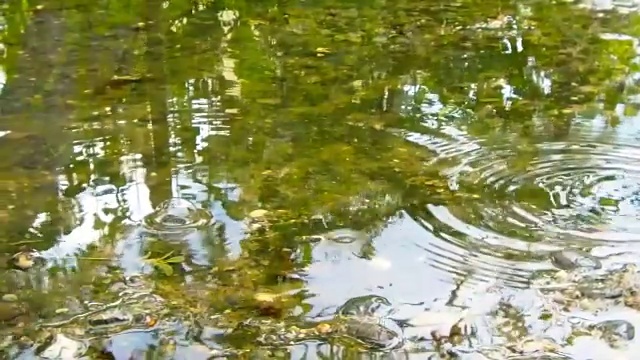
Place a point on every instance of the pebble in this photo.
(9, 311)
(617, 329)
(531, 345)
(255, 227)
(571, 259)
(9, 298)
(323, 328)
(265, 297)
(23, 261)
(117, 287)
(257, 214)
(346, 236)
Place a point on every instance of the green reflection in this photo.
(303, 109)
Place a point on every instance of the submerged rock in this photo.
(374, 332)
(25, 259)
(572, 259)
(258, 214)
(61, 347)
(615, 331)
(10, 311)
(537, 346)
(258, 220)
(364, 318)
(345, 236)
(367, 305)
(9, 297)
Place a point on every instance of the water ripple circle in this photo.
(528, 198)
(584, 190)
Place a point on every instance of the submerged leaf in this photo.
(164, 267)
(175, 259)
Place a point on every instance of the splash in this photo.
(176, 216)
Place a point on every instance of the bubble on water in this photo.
(176, 215)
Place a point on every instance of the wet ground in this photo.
(319, 180)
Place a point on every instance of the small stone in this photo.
(346, 236)
(533, 345)
(456, 330)
(117, 287)
(255, 227)
(78, 331)
(259, 213)
(323, 328)
(561, 275)
(265, 297)
(588, 304)
(9, 298)
(74, 305)
(218, 353)
(616, 329)
(23, 260)
(10, 311)
(632, 301)
(572, 259)
(25, 341)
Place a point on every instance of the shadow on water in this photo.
(319, 180)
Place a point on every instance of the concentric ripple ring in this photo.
(525, 202)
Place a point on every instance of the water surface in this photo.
(264, 162)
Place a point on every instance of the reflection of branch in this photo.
(157, 101)
(454, 293)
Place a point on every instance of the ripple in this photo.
(176, 216)
(476, 266)
(528, 199)
(588, 191)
